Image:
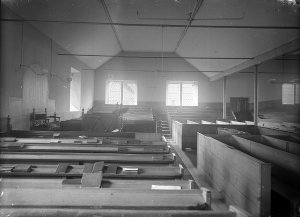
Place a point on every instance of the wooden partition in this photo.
(185, 135)
(281, 144)
(80, 212)
(283, 163)
(285, 166)
(240, 178)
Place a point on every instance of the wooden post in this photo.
(224, 98)
(8, 125)
(255, 113)
(82, 112)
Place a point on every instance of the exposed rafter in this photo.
(102, 2)
(190, 20)
(155, 57)
(279, 51)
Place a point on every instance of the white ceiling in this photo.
(198, 42)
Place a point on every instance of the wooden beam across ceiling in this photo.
(153, 24)
(271, 54)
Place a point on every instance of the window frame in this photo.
(294, 92)
(181, 93)
(122, 91)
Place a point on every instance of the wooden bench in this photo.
(76, 158)
(285, 166)
(104, 198)
(80, 212)
(84, 148)
(109, 170)
(58, 183)
(185, 135)
(241, 179)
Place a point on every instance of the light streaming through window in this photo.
(121, 92)
(182, 93)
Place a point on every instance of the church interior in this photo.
(143, 108)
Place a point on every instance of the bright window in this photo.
(290, 94)
(75, 90)
(121, 92)
(182, 93)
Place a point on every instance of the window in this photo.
(182, 93)
(121, 92)
(290, 94)
(75, 90)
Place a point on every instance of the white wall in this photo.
(152, 84)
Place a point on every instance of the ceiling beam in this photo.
(190, 20)
(153, 24)
(102, 2)
(155, 57)
(271, 54)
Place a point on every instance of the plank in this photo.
(237, 123)
(54, 183)
(144, 172)
(148, 136)
(86, 148)
(222, 122)
(206, 122)
(285, 145)
(284, 160)
(54, 157)
(79, 212)
(228, 171)
(104, 198)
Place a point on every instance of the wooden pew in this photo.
(206, 122)
(291, 143)
(88, 141)
(191, 122)
(279, 159)
(53, 157)
(85, 148)
(80, 212)
(237, 123)
(103, 198)
(58, 183)
(75, 171)
(222, 122)
(185, 135)
(284, 145)
(285, 166)
(227, 169)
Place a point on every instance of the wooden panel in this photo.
(74, 157)
(84, 148)
(51, 106)
(35, 89)
(289, 146)
(191, 122)
(206, 122)
(148, 136)
(100, 122)
(57, 183)
(79, 212)
(222, 122)
(44, 170)
(237, 123)
(277, 157)
(105, 198)
(228, 171)
(185, 135)
(16, 113)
